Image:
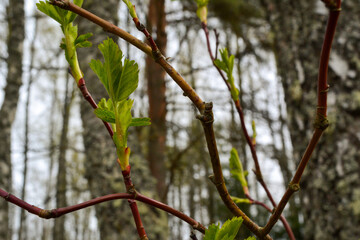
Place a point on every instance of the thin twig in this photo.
(54, 213)
(159, 58)
(321, 122)
(218, 178)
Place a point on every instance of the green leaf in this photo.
(131, 8)
(227, 232)
(60, 15)
(55, 13)
(229, 229)
(105, 115)
(71, 15)
(138, 122)
(240, 200)
(251, 238)
(123, 120)
(210, 233)
(120, 79)
(227, 65)
(82, 41)
(236, 168)
(202, 3)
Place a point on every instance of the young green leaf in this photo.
(138, 122)
(82, 41)
(105, 115)
(55, 13)
(131, 8)
(210, 233)
(60, 15)
(230, 229)
(227, 232)
(227, 65)
(240, 200)
(120, 79)
(123, 120)
(251, 238)
(202, 10)
(236, 168)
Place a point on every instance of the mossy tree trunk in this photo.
(331, 185)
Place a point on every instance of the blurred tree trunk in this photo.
(61, 183)
(15, 14)
(331, 185)
(22, 233)
(155, 75)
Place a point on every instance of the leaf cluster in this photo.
(227, 65)
(120, 78)
(71, 41)
(228, 231)
(236, 168)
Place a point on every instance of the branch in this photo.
(158, 57)
(55, 213)
(239, 109)
(282, 218)
(321, 122)
(218, 178)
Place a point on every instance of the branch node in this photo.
(7, 196)
(45, 213)
(321, 121)
(325, 90)
(207, 117)
(64, 4)
(157, 55)
(294, 187)
(273, 210)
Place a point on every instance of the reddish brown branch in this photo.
(321, 122)
(282, 218)
(86, 94)
(43, 213)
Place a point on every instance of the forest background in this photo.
(52, 146)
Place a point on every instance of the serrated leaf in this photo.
(120, 79)
(210, 233)
(123, 120)
(83, 44)
(105, 115)
(138, 122)
(57, 14)
(229, 229)
(82, 38)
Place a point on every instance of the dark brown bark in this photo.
(155, 75)
(331, 184)
(15, 14)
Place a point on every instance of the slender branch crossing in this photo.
(43, 213)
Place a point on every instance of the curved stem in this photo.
(54, 213)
